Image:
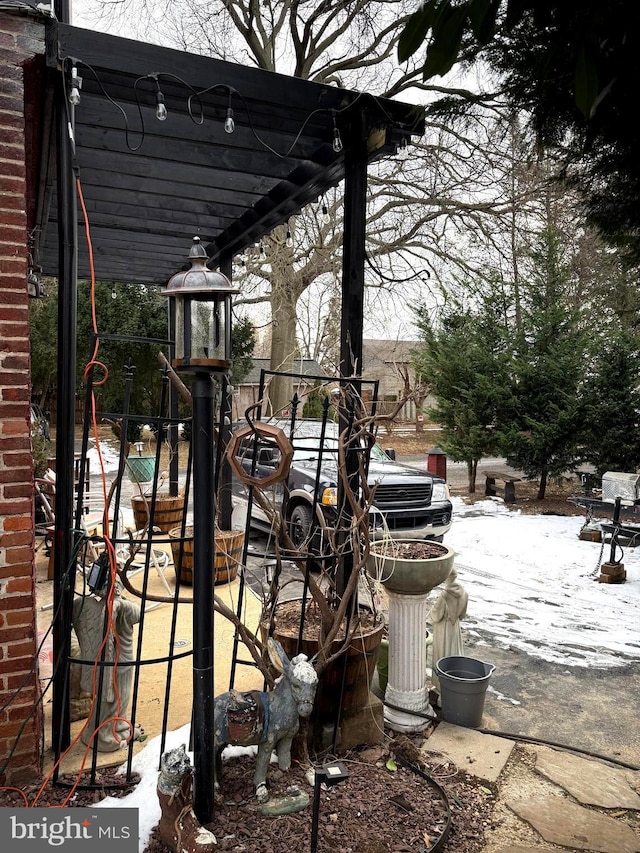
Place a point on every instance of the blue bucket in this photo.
(463, 687)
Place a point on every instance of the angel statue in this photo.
(89, 625)
(446, 613)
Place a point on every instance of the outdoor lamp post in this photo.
(331, 774)
(201, 303)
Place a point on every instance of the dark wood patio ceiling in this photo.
(150, 186)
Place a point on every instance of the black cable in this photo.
(567, 747)
(155, 76)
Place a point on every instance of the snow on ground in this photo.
(532, 585)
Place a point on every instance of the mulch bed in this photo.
(376, 810)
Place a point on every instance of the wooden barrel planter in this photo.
(227, 557)
(168, 511)
(360, 661)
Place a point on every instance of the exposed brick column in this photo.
(21, 727)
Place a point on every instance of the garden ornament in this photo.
(269, 720)
(89, 625)
(179, 828)
(446, 614)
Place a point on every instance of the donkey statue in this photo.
(269, 720)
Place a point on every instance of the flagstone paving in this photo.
(561, 821)
(591, 782)
(481, 755)
(539, 789)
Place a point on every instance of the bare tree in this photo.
(417, 206)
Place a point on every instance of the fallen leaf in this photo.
(391, 765)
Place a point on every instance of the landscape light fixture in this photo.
(202, 299)
(331, 774)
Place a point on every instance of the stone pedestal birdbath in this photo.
(409, 571)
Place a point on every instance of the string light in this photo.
(337, 139)
(326, 219)
(243, 261)
(113, 292)
(403, 148)
(261, 252)
(161, 110)
(229, 124)
(76, 85)
(289, 238)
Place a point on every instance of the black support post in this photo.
(353, 257)
(64, 561)
(203, 571)
(224, 474)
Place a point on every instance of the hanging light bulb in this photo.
(161, 110)
(289, 238)
(113, 292)
(403, 148)
(243, 260)
(76, 85)
(337, 139)
(261, 252)
(229, 123)
(326, 219)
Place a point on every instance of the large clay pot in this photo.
(360, 662)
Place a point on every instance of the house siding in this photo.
(21, 726)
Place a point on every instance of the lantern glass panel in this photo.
(207, 325)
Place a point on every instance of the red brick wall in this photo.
(20, 38)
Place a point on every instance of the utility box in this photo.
(616, 484)
(437, 462)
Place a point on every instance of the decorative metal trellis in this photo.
(136, 554)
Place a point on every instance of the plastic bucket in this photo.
(463, 687)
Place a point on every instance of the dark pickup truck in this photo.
(408, 503)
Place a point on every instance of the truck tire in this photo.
(306, 536)
(300, 527)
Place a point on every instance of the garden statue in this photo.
(269, 720)
(179, 828)
(446, 614)
(89, 625)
